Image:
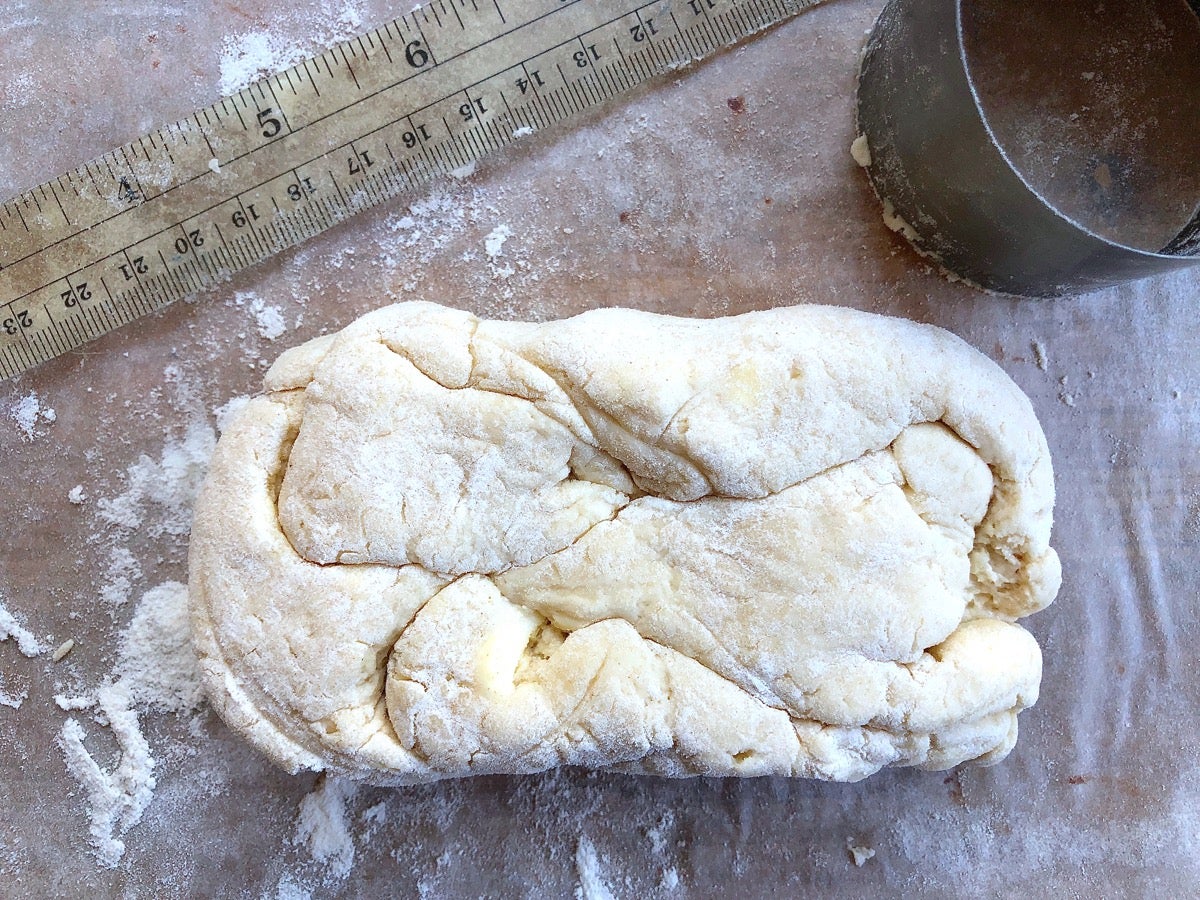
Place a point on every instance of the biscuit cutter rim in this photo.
(1008, 237)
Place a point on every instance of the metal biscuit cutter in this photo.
(1039, 147)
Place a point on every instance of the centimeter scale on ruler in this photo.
(288, 157)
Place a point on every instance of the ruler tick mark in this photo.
(376, 111)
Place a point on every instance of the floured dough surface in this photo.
(793, 542)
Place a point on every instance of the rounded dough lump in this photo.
(793, 542)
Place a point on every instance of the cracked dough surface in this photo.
(793, 542)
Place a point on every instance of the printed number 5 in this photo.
(271, 126)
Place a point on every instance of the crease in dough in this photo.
(794, 542)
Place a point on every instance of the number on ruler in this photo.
(534, 80)
(191, 240)
(416, 54)
(469, 109)
(19, 322)
(269, 122)
(642, 32)
(136, 265)
(129, 193)
(298, 190)
(242, 218)
(360, 162)
(585, 57)
(76, 296)
(419, 134)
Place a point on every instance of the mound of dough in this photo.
(793, 542)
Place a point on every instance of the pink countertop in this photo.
(674, 200)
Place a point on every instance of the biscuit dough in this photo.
(793, 542)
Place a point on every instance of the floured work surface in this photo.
(760, 206)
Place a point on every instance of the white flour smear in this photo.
(123, 572)
(323, 825)
(117, 797)
(155, 669)
(11, 629)
(591, 878)
(167, 485)
(27, 644)
(255, 54)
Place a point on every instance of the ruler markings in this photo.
(483, 61)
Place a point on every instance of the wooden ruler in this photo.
(188, 205)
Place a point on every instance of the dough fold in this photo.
(793, 542)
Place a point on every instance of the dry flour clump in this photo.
(29, 413)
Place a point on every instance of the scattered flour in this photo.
(11, 629)
(323, 825)
(28, 413)
(591, 881)
(169, 484)
(12, 701)
(374, 817)
(155, 669)
(247, 57)
(1066, 396)
(77, 495)
(157, 665)
(494, 242)
(118, 797)
(661, 847)
(290, 890)
(123, 571)
(73, 703)
(493, 245)
(268, 318)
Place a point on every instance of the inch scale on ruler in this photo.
(289, 157)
